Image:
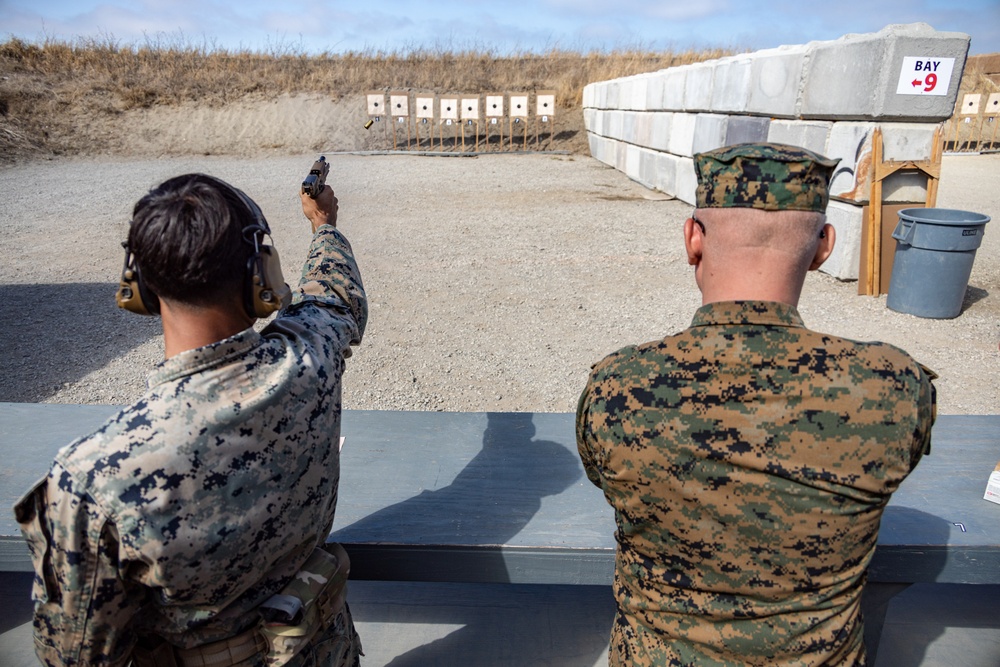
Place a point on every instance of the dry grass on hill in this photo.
(49, 90)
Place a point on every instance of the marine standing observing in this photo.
(189, 529)
(748, 459)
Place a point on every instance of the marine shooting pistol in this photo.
(316, 180)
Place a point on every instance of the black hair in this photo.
(187, 240)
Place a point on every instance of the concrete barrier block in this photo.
(589, 95)
(682, 129)
(848, 220)
(601, 95)
(673, 88)
(596, 144)
(624, 86)
(811, 134)
(647, 168)
(660, 139)
(654, 92)
(599, 121)
(627, 94)
(709, 132)
(842, 77)
(908, 141)
(698, 87)
(775, 78)
(747, 129)
(615, 123)
(589, 116)
(597, 147)
(904, 97)
(871, 75)
(665, 179)
(614, 94)
(640, 87)
(606, 116)
(731, 84)
(628, 127)
(643, 128)
(904, 187)
(633, 161)
(621, 155)
(686, 182)
(850, 142)
(609, 152)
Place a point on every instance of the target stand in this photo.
(375, 101)
(545, 109)
(494, 116)
(470, 118)
(448, 115)
(519, 116)
(424, 109)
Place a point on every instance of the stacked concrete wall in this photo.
(826, 96)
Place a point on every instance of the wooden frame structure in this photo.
(880, 171)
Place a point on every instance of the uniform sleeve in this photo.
(330, 276)
(926, 413)
(83, 608)
(584, 437)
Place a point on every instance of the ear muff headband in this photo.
(266, 290)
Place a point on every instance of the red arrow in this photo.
(917, 82)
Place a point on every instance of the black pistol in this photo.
(316, 180)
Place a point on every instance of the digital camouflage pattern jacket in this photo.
(190, 507)
(748, 461)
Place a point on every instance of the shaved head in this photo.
(742, 233)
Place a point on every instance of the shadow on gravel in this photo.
(55, 334)
(972, 295)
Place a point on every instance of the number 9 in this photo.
(929, 82)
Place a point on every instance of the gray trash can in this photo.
(935, 248)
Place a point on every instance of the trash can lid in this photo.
(944, 216)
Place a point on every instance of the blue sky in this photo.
(504, 26)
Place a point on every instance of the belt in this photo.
(224, 653)
(236, 651)
(333, 566)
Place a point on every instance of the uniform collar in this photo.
(200, 358)
(747, 312)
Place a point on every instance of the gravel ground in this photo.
(494, 282)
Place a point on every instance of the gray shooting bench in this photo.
(473, 502)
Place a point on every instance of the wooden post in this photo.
(874, 268)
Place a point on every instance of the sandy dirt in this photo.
(292, 124)
(494, 281)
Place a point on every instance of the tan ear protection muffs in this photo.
(265, 290)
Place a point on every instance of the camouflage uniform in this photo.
(192, 506)
(748, 461)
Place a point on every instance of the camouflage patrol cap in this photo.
(772, 177)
